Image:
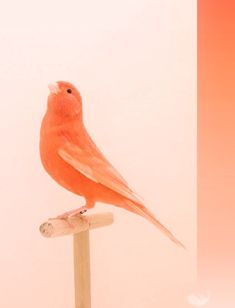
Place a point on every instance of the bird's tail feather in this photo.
(144, 212)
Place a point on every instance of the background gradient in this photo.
(134, 62)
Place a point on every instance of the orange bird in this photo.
(73, 160)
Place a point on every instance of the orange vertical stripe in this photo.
(216, 141)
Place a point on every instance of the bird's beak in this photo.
(54, 88)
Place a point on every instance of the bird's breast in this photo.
(57, 168)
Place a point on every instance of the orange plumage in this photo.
(73, 160)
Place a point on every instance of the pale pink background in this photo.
(135, 65)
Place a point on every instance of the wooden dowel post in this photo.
(79, 227)
(81, 248)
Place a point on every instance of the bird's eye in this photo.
(69, 91)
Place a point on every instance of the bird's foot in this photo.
(69, 214)
(72, 213)
(83, 211)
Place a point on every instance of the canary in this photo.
(73, 160)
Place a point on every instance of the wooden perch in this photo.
(73, 225)
(79, 227)
(82, 280)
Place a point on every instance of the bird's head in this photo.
(64, 100)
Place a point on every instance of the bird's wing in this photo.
(96, 169)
